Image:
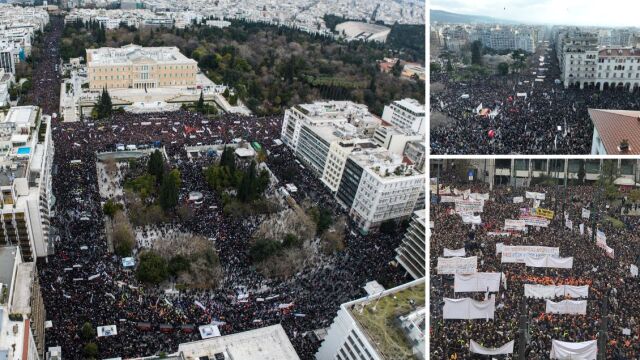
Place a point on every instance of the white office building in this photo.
(388, 188)
(375, 183)
(356, 334)
(406, 113)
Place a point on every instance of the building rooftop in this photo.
(267, 343)
(7, 261)
(412, 105)
(615, 125)
(383, 163)
(21, 302)
(131, 53)
(378, 318)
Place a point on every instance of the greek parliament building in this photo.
(524, 171)
(137, 67)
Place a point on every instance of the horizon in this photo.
(547, 12)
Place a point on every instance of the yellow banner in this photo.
(545, 213)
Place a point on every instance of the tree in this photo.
(476, 53)
(396, 70)
(291, 240)
(233, 100)
(110, 208)
(228, 159)
(449, 66)
(503, 68)
(87, 331)
(263, 249)
(123, 236)
(435, 68)
(177, 264)
(322, 217)
(155, 165)
(175, 173)
(200, 103)
(152, 268)
(226, 93)
(90, 350)
(168, 193)
(388, 227)
(104, 107)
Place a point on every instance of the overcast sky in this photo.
(566, 12)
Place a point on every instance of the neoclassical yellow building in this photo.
(137, 67)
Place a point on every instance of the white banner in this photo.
(634, 270)
(554, 291)
(581, 229)
(499, 247)
(547, 261)
(457, 265)
(518, 199)
(517, 225)
(569, 224)
(469, 206)
(601, 242)
(477, 282)
(507, 348)
(576, 291)
(535, 221)
(575, 307)
(470, 219)
(478, 196)
(587, 350)
(458, 252)
(516, 254)
(534, 195)
(586, 213)
(540, 291)
(449, 198)
(467, 308)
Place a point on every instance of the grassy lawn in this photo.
(381, 326)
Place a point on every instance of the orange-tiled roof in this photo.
(615, 125)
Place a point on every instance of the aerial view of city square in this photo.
(534, 77)
(224, 180)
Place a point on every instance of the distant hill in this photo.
(449, 17)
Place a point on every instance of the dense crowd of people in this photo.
(606, 277)
(522, 125)
(46, 77)
(83, 282)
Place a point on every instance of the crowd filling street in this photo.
(526, 113)
(82, 281)
(606, 276)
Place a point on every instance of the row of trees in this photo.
(247, 183)
(158, 183)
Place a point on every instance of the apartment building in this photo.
(134, 66)
(411, 253)
(22, 312)
(26, 156)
